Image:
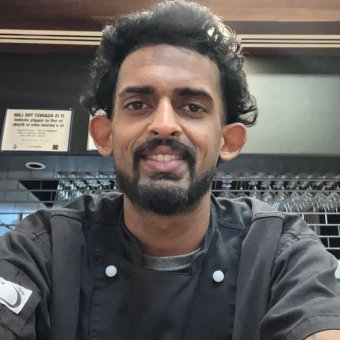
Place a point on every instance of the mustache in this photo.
(186, 152)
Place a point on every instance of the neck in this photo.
(168, 235)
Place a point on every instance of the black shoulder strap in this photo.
(253, 284)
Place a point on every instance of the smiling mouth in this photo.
(164, 163)
(163, 157)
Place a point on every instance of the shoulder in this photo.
(261, 223)
(296, 233)
(43, 245)
(92, 207)
(38, 227)
(244, 211)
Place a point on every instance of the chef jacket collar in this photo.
(134, 248)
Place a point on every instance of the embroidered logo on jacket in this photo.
(13, 296)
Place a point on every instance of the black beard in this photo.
(167, 200)
(164, 199)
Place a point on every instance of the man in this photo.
(165, 260)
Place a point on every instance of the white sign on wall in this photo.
(36, 130)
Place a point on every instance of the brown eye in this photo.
(194, 108)
(137, 105)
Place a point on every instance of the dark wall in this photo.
(55, 81)
(47, 82)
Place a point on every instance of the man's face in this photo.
(166, 127)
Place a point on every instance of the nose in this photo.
(164, 120)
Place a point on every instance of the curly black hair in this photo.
(179, 23)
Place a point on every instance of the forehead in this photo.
(166, 66)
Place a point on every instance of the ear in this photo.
(233, 139)
(100, 129)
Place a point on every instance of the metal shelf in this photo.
(316, 197)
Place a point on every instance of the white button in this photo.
(111, 271)
(218, 276)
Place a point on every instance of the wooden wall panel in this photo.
(91, 14)
(249, 18)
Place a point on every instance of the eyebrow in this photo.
(136, 90)
(183, 91)
(194, 92)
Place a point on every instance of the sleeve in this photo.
(304, 296)
(25, 282)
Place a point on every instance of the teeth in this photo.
(163, 158)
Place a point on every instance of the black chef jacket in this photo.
(278, 279)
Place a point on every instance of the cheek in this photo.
(124, 139)
(207, 143)
(214, 145)
(122, 135)
(208, 152)
(119, 142)
(212, 140)
(127, 131)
